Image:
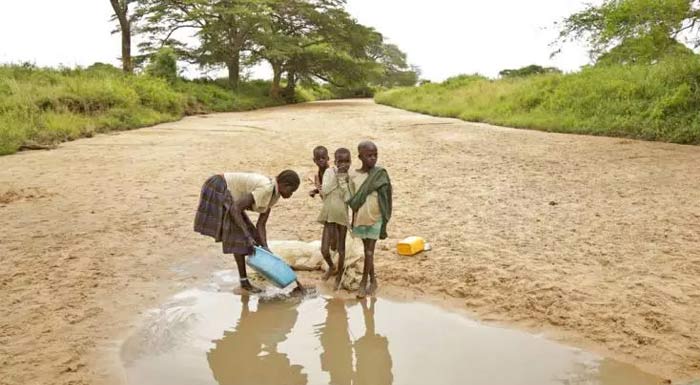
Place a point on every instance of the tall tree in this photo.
(223, 29)
(125, 20)
(633, 30)
(396, 71)
(311, 40)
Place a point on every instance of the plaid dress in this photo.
(214, 217)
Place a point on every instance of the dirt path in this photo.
(595, 240)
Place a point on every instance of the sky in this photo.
(442, 37)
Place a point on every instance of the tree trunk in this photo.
(276, 78)
(289, 92)
(126, 48)
(234, 70)
(121, 10)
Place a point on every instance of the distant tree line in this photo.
(301, 40)
(532, 69)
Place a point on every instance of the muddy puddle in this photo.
(212, 336)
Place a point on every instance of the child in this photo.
(371, 209)
(223, 203)
(321, 160)
(334, 214)
(316, 179)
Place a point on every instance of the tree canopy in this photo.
(532, 69)
(302, 40)
(635, 31)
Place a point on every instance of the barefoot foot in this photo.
(372, 287)
(338, 282)
(362, 292)
(245, 285)
(329, 273)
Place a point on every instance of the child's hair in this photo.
(290, 178)
(318, 150)
(342, 151)
(365, 144)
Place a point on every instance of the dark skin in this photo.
(259, 237)
(368, 156)
(321, 160)
(336, 232)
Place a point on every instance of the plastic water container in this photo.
(411, 246)
(272, 267)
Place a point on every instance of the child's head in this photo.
(342, 159)
(288, 182)
(321, 157)
(367, 152)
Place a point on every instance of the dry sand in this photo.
(595, 241)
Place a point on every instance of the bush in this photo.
(47, 106)
(653, 102)
(163, 65)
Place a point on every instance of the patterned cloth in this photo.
(214, 217)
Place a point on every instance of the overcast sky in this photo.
(442, 37)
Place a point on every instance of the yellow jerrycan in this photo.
(410, 246)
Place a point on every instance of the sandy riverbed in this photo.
(595, 241)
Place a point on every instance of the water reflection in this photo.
(372, 352)
(229, 341)
(248, 355)
(336, 358)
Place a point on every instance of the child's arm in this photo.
(261, 226)
(329, 184)
(344, 186)
(313, 181)
(246, 202)
(352, 189)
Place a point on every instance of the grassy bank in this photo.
(48, 106)
(652, 102)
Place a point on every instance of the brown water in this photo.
(210, 337)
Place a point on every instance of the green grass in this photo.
(652, 102)
(48, 106)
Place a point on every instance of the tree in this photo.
(396, 72)
(644, 29)
(644, 49)
(223, 28)
(530, 70)
(303, 40)
(288, 30)
(121, 14)
(311, 40)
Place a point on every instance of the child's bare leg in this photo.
(245, 283)
(334, 242)
(369, 262)
(372, 278)
(328, 229)
(342, 232)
